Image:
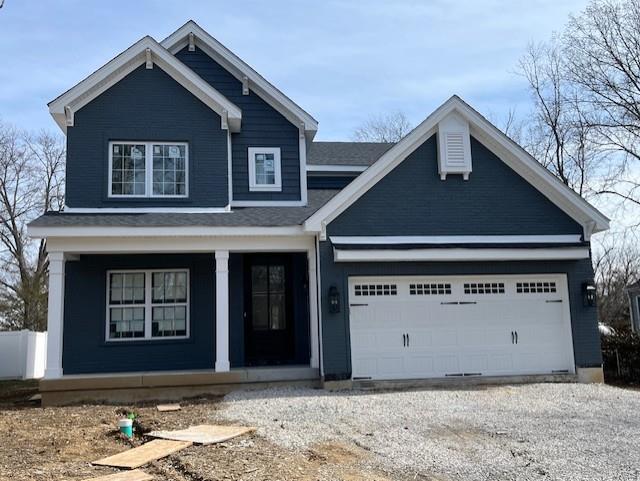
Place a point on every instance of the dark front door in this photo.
(269, 323)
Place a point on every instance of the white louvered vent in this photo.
(454, 146)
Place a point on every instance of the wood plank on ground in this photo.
(166, 408)
(204, 433)
(133, 475)
(151, 451)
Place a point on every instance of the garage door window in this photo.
(484, 288)
(376, 290)
(429, 289)
(535, 287)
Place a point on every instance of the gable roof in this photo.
(146, 49)
(506, 149)
(362, 154)
(238, 68)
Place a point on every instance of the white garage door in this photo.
(422, 327)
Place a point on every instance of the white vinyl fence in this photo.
(23, 354)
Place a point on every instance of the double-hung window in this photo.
(264, 169)
(148, 169)
(150, 304)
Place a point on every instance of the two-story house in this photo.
(207, 241)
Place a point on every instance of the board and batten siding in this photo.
(146, 105)
(262, 126)
(411, 200)
(85, 349)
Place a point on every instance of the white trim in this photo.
(459, 254)
(192, 244)
(177, 231)
(277, 169)
(239, 69)
(508, 151)
(229, 169)
(458, 239)
(147, 210)
(55, 314)
(148, 166)
(64, 106)
(336, 168)
(222, 311)
(302, 145)
(267, 203)
(314, 360)
(147, 306)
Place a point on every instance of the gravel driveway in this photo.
(528, 432)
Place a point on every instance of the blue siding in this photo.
(84, 346)
(335, 327)
(262, 126)
(146, 105)
(412, 200)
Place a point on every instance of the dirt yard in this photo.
(59, 444)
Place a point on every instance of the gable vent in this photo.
(454, 147)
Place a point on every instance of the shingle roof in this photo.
(240, 216)
(346, 153)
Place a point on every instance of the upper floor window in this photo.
(148, 169)
(264, 169)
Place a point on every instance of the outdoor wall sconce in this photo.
(589, 293)
(334, 300)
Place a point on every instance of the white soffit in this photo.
(457, 239)
(250, 79)
(507, 150)
(460, 254)
(145, 51)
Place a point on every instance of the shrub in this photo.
(621, 357)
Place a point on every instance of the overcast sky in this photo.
(342, 61)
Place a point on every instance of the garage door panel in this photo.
(460, 325)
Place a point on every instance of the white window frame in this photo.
(148, 168)
(148, 305)
(255, 187)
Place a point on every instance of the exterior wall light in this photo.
(589, 293)
(334, 300)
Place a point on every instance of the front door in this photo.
(269, 323)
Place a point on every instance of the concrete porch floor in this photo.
(169, 385)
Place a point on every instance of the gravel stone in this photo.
(525, 432)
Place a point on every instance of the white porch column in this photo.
(55, 319)
(222, 311)
(313, 309)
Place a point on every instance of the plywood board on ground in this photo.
(133, 475)
(204, 434)
(166, 408)
(136, 457)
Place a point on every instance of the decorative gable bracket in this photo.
(454, 146)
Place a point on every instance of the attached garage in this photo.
(443, 326)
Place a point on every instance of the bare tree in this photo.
(617, 265)
(31, 183)
(383, 128)
(557, 133)
(601, 48)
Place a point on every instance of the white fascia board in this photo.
(459, 254)
(140, 244)
(268, 203)
(177, 231)
(147, 210)
(239, 69)
(336, 168)
(457, 239)
(63, 107)
(518, 159)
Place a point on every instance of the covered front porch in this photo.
(176, 311)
